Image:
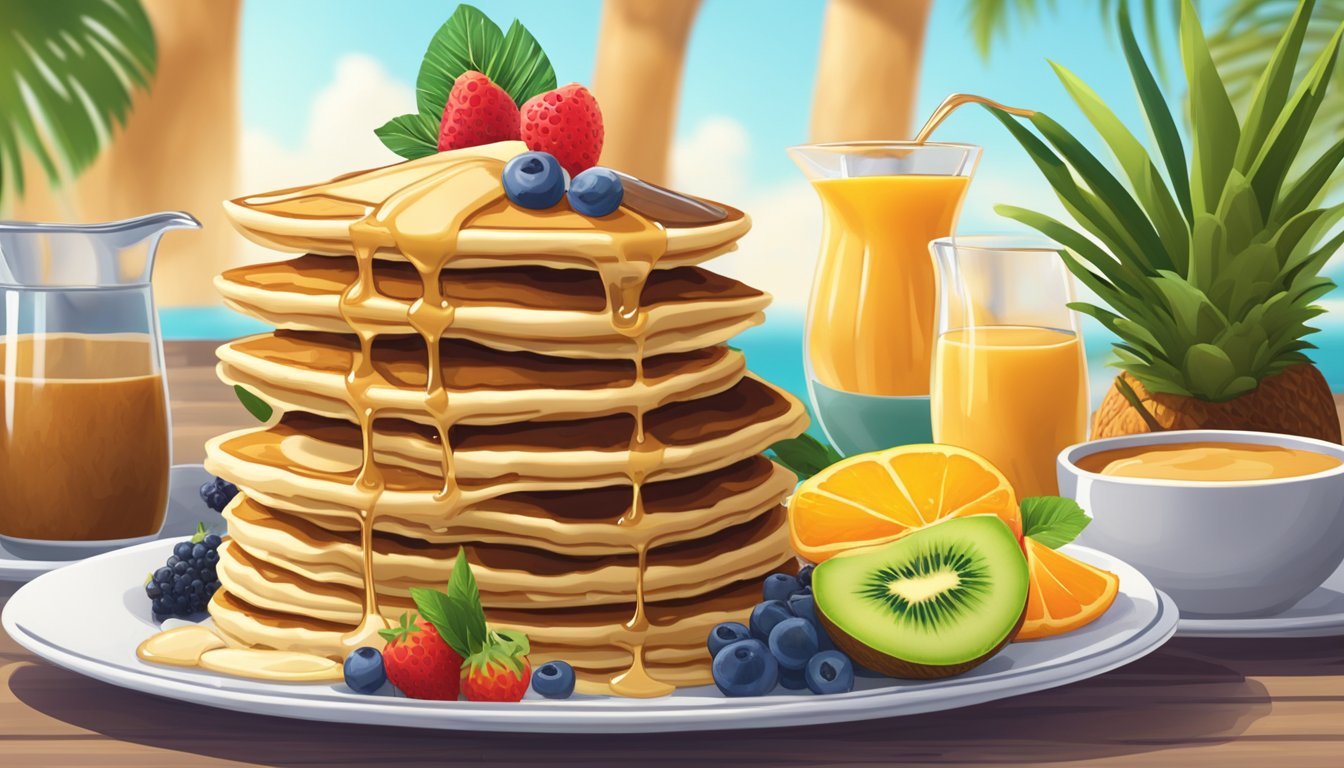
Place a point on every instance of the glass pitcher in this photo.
(85, 445)
(870, 321)
(1009, 371)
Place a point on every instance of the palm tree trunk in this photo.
(868, 69)
(637, 80)
(179, 150)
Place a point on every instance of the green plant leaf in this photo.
(1148, 185)
(1215, 126)
(410, 136)
(804, 455)
(1271, 92)
(255, 405)
(1157, 114)
(469, 40)
(465, 595)
(1052, 520)
(69, 73)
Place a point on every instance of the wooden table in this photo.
(1193, 702)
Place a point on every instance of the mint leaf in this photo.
(200, 534)
(254, 405)
(466, 599)
(436, 608)
(469, 40)
(1052, 520)
(410, 136)
(804, 455)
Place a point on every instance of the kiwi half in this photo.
(935, 603)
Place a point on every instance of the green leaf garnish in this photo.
(199, 535)
(804, 455)
(467, 41)
(254, 405)
(457, 613)
(410, 136)
(1052, 520)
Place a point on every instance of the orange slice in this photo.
(874, 498)
(1065, 593)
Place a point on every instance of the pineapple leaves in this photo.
(1215, 147)
(1209, 275)
(1157, 114)
(1149, 186)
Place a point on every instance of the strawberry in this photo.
(495, 666)
(567, 123)
(478, 112)
(419, 662)
(500, 671)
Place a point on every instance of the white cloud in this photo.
(338, 137)
(712, 161)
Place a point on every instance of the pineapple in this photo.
(1211, 272)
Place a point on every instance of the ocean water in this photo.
(774, 350)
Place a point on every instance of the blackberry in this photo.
(218, 493)
(187, 580)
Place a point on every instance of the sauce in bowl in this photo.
(1207, 462)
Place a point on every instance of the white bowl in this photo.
(1220, 549)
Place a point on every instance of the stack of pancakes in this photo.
(589, 439)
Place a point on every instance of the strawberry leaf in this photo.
(407, 626)
(410, 136)
(468, 41)
(443, 614)
(466, 596)
(1052, 520)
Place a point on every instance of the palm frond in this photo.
(991, 20)
(68, 71)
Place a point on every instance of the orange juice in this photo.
(871, 323)
(1016, 395)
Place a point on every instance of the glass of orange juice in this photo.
(871, 318)
(1009, 372)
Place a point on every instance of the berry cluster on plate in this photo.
(782, 645)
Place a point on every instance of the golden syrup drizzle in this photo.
(422, 221)
(955, 101)
(625, 279)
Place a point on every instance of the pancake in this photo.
(300, 371)
(309, 463)
(583, 522)
(317, 219)
(530, 309)
(287, 563)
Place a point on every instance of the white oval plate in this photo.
(110, 597)
(1319, 614)
(185, 510)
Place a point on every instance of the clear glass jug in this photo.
(85, 444)
(870, 321)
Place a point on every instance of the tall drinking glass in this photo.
(1009, 372)
(84, 443)
(870, 322)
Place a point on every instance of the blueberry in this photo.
(830, 672)
(212, 541)
(805, 575)
(534, 180)
(163, 575)
(364, 671)
(793, 641)
(596, 192)
(745, 668)
(724, 634)
(765, 616)
(182, 550)
(778, 586)
(554, 680)
(793, 679)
